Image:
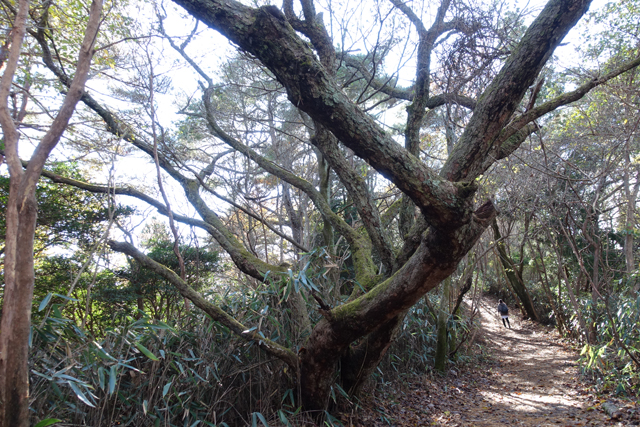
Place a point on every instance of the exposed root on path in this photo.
(525, 376)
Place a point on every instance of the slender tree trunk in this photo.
(595, 294)
(442, 342)
(21, 221)
(16, 318)
(544, 279)
(325, 189)
(515, 279)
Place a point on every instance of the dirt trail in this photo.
(534, 379)
(529, 377)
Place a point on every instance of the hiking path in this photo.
(524, 376)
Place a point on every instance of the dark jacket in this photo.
(503, 309)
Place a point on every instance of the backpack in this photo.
(503, 309)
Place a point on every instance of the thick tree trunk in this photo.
(359, 362)
(436, 258)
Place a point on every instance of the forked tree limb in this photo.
(502, 97)
(312, 89)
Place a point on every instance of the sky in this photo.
(211, 49)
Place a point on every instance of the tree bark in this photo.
(442, 331)
(357, 365)
(21, 220)
(513, 275)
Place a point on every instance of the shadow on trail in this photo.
(522, 376)
(530, 377)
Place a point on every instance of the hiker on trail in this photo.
(504, 312)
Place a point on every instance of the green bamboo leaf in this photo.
(113, 373)
(80, 394)
(331, 420)
(254, 419)
(42, 375)
(166, 388)
(66, 297)
(47, 422)
(101, 378)
(125, 365)
(146, 351)
(289, 393)
(45, 301)
(283, 418)
(262, 419)
(102, 352)
(66, 377)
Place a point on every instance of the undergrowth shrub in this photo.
(613, 363)
(150, 373)
(192, 371)
(413, 352)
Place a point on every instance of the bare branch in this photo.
(10, 132)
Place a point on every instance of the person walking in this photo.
(504, 312)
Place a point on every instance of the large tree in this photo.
(450, 221)
(332, 92)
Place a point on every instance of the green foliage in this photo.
(146, 372)
(47, 422)
(69, 224)
(617, 33)
(65, 215)
(413, 352)
(609, 361)
(54, 277)
(140, 289)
